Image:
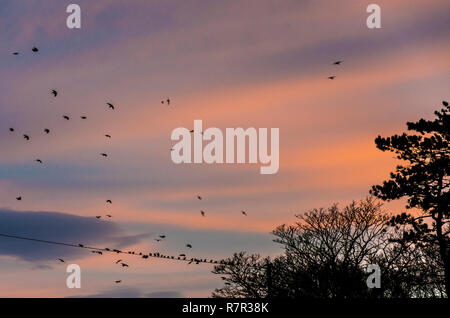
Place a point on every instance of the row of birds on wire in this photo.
(102, 250)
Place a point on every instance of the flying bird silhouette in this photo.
(26, 137)
(117, 262)
(199, 197)
(338, 63)
(66, 117)
(243, 212)
(445, 103)
(202, 212)
(98, 216)
(108, 136)
(104, 154)
(111, 106)
(19, 198)
(11, 129)
(35, 49)
(47, 131)
(54, 92)
(125, 265)
(109, 201)
(80, 245)
(188, 245)
(168, 101)
(118, 281)
(39, 160)
(162, 236)
(109, 215)
(16, 53)
(61, 260)
(332, 77)
(83, 117)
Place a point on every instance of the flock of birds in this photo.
(47, 131)
(100, 251)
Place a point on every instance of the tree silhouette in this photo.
(326, 254)
(424, 180)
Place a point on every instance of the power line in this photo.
(109, 250)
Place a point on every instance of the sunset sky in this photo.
(249, 63)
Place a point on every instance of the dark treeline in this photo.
(327, 251)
